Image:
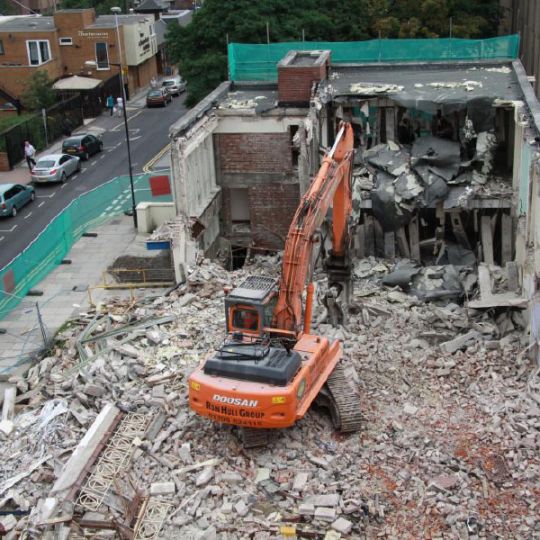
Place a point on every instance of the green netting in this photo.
(249, 62)
(47, 251)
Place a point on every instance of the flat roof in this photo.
(108, 21)
(414, 84)
(26, 23)
(257, 99)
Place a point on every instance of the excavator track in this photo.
(339, 396)
(253, 438)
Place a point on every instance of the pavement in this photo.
(20, 173)
(66, 293)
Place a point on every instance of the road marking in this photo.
(63, 186)
(102, 157)
(74, 176)
(156, 158)
(84, 169)
(110, 150)
(135, 138)
(121, 124)
(47, 196)
(41, 204)
(9, 230)
(28, 215)
(93, 163)
(1, 238)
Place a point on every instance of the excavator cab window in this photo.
(245, 319)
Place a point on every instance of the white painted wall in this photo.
(151, 215)
(193, 169)
(257, 124)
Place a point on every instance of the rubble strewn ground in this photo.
(450, 446)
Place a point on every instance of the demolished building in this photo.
(446, 163)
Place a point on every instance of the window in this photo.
(39, 52)
(245, 319)
(1, 47)
(102, 56)
(65, 41)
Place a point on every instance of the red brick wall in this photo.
(272, 208)
(254, 153)
(294, 83)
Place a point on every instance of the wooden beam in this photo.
(459, 230)
(414, 238)
(389, 245)
(484, 282)
(378, 233)
(506, 239)
(369, 236)
(487, 240)
(403, 245)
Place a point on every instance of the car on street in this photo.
(158, 97)
(13, 197)
(83, 145)
(55, 168)
(175, 85)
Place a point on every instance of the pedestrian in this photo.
(120, 105)
(29, 152)
(153, 82)
(110, 104)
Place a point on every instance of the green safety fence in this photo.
(89, 210)
(255, 62)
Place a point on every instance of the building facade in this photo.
(64, 44)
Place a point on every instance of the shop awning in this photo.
(77, 83)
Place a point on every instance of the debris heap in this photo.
(98, 439)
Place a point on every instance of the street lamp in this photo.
(91, 63)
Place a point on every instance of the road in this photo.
(149, 134)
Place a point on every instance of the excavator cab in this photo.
(249, 307)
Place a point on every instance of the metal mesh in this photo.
(249, 62)
(89, 210)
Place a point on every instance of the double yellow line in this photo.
(148, 166)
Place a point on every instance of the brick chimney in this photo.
(297, 72)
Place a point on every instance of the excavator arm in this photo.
(332, 185)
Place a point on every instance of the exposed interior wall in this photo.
(259, 162)
(196, 193)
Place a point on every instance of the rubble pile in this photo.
(399, 178)
(450, 445)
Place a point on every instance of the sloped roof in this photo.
(76, 83)
(150, 6)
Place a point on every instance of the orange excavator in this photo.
(270, 368)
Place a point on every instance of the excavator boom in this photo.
(332, 184)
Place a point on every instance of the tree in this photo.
(39, 92)
(200, 48)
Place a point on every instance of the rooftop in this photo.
(26, 23)
(259, 99)
(415, 84)
(108, 21)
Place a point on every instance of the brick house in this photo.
(61, 45)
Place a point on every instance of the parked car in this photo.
(55, 168)
(158, 97)
(13, 197)
(83, 145)
(175, 85)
